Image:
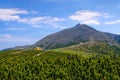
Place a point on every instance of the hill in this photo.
(76, 35)
(90, 48)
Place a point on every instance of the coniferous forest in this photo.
(56, 65)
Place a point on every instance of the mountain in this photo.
(19, 47)
(81, 33)
(75, 35)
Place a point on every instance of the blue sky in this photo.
(24, 22)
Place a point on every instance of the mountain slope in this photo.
(93, 47)
(75, 35)
(80, 33)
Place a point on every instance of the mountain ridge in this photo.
(75, 35)
(80, 33)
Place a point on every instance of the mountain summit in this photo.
(75, 35)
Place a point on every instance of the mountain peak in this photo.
(81, 24)
(78, 24)
(84, 27)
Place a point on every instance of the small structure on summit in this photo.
(37, 48)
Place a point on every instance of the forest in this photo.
(56, 65)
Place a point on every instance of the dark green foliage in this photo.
(99, 48)
(51, 65)
(117, 38)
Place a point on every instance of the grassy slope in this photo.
(86, 49)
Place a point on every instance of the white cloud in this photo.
(53, 21)
(34, 12)
(84, 15)
(93, 22)
(58, 26)
(13, 39)
(11, 14)
(36, 26)
(15, 29)
(12, 11)
(106, 15)
(36, 21)
(88, 17)
(6, 36)
(113, 22)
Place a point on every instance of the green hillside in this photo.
(89, 48)
(71, 63)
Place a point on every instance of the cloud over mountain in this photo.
(88, 17)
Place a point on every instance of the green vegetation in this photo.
(61, 45)
(60, 64)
